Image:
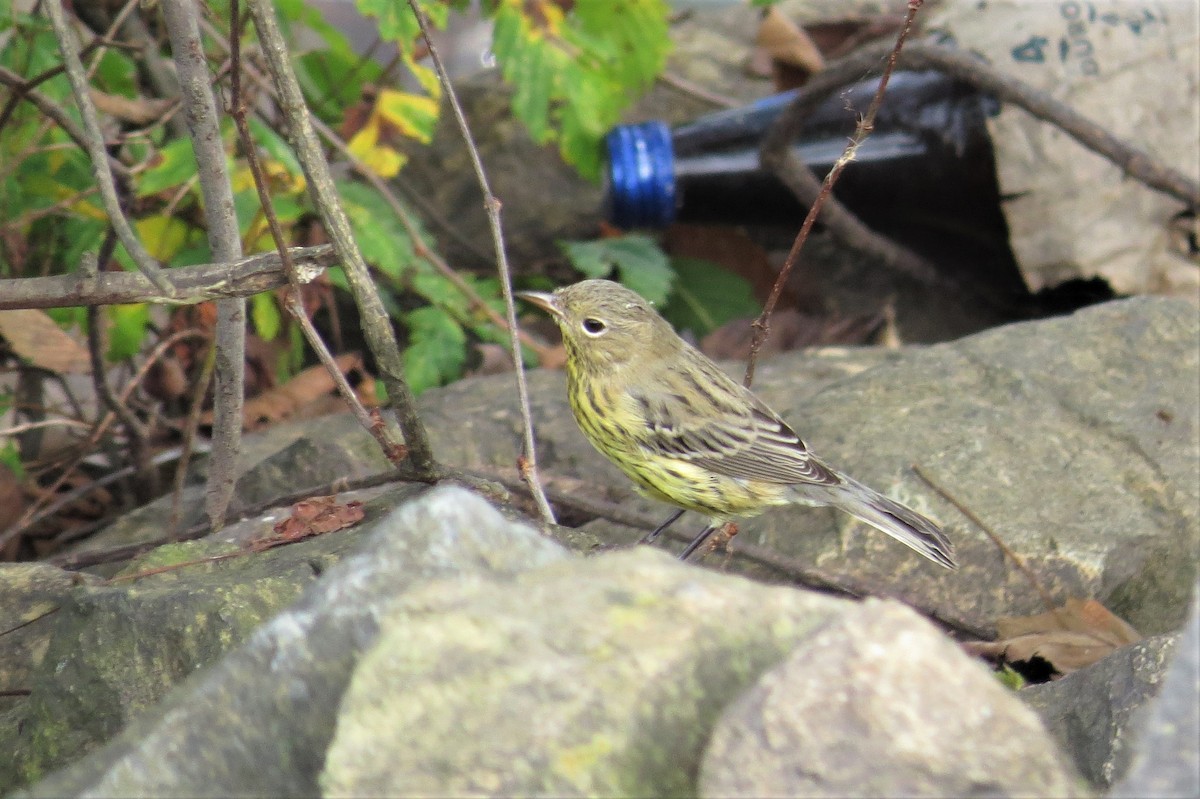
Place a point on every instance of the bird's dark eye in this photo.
(593, 327)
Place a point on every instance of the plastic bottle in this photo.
(929, 154)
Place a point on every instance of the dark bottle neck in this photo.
(929, 149)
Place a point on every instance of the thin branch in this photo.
(32, 514)
(419, 249)
(1017, 560)
(135, 430)
(200, 110)
(386, 191)
(94, 144)
(1134, 162)
(199, 283)
(373, 316)
(528, 458)
(56, 113)
(294, 300)
(776, 140)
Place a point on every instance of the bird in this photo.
(689, 435)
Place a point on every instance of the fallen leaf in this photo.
(315, 516)
(788, 46)
(38, 339)
(287, 400)
(1066, 639)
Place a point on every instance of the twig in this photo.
(191, 426)
(94, 144)
(375, 321)
(32, 515)
(1017, 560)
(528, 459)
(419, 249)
(56, 113)
(1134, 162)
(777, 138)
(682, 84)
(200, 112)
(135, 430)
(293, 301)
(200, 283)
(21, 428)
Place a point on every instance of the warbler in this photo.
(689, 435)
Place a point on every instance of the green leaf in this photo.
(573, 74)
(264, 312)
(636, 258)
(177, 164)
(707, 296)
(10, 456)
(275, 146)
(437, 349)
(127, 330)
(383, 240)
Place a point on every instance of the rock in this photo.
(1166, 739)
(258, 721)
(114, 650)
(596, 677)
(1044, 429)
(1089, 712)
(879, 703)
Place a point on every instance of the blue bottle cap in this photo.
(641, 176)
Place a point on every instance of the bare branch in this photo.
(776, 143)
(528, 459)
(224, 241)
(376, 324)
(94, 143)
(199, 283)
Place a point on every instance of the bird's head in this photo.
(604, 325)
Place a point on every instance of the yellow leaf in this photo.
(413, 115)
(163, 236)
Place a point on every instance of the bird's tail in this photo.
(903, 524)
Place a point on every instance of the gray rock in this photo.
(1166, 739)
(112, 651)
(1046, 430)
(596, 677)
(258, 722)
(1089, 712)
(879, 703)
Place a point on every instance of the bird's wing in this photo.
(703, 417)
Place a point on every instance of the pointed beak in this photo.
(547, 302)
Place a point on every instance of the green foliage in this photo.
(1010, 678)
(707, 296)
(436, 348)
(636, 260)
(573, 74)
(691, 293)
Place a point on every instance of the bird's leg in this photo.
(649, 537)
(727, 531)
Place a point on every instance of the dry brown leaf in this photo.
(38, 339)
(135, 110)
(1078, 634)
(315, 516)
(790, 54)
(285, 401)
